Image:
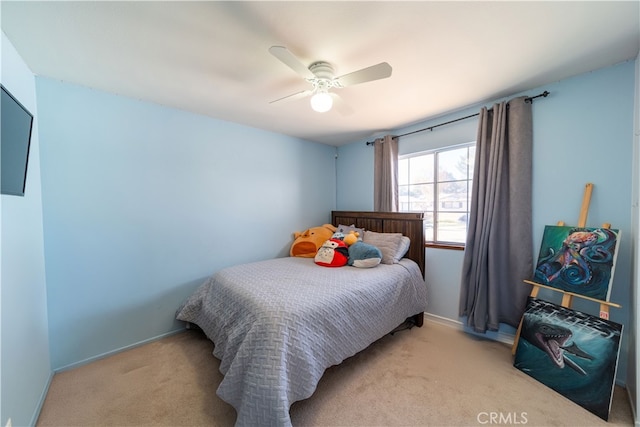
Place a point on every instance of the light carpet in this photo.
(436, 375)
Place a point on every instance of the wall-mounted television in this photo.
(15, 138)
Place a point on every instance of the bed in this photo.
(278, 324)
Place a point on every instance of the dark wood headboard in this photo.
(409, 224)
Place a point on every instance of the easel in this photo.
(567, 297)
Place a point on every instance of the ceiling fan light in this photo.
(321, 102)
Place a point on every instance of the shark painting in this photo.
(554, 337)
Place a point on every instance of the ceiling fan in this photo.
(320, 75)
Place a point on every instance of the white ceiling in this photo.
(212, 57)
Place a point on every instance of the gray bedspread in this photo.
(278, 324)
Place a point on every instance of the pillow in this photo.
(346, 229)
(392, 245)
(364, 255)
(405, 242)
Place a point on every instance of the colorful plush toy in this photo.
(338, 235)
(333, 253)
(351, 238)
(364, 255)
(307, 243)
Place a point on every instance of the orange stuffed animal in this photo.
(307, 243)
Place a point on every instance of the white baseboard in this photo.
(43, 396)
(118, 350)
(443, 321)
(502, 337)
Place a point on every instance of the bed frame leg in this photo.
(419, 319)
(410, 322)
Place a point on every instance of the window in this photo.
(438, 183)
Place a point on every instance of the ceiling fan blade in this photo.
(289, 59)
(341, 106)
(375, 72)
(294, 96)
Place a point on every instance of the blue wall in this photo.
(24, 345)
(583, 132)
(142, 202)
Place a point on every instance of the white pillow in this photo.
(405, 242)
(393, 246)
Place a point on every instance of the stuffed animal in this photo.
(364, 255)
(351, 238)
(338, 235)
(332, 253)
(307, 243)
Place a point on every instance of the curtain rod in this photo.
(528, 99)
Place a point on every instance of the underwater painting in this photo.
(573, 353)
(578, 260)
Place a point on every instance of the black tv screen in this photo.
(15, 138)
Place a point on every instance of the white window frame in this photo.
(433, 216)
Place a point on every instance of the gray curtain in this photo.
(499, 248)
(385, 175)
